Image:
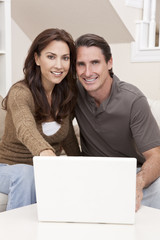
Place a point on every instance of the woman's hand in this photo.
(47, 153)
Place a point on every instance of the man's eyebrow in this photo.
(80, 62)
(95, 60)
(92, 61)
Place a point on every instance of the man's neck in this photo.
(102, 94)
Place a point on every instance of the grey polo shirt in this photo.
(122, 126)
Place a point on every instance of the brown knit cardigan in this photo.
(23, 137)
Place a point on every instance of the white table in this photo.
(22, 224)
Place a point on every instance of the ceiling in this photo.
(76, 17)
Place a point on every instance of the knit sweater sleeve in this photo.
(70, 143)
(21, 106)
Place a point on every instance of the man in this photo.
(115, 119)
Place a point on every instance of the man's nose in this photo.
(88, 71)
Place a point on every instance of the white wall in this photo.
(20, 46)
(127, 14)
(146, 76)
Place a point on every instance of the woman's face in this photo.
(54, 62)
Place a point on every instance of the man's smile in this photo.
(91, 79)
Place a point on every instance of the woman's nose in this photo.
(58, 63)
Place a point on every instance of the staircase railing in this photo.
(146, 47)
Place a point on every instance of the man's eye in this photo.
(80, 64)
(95, 62)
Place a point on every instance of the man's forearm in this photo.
(150, 170)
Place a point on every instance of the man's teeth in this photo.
(90, 80)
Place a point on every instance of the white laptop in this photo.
(85, 189)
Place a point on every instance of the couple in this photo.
(114, 116)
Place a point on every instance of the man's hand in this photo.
(139, 192)
(149, 172)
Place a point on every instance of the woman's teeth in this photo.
(57, 73)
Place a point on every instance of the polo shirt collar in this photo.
(92, 104)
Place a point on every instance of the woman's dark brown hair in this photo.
(64, 93)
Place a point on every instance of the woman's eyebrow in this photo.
(65, 54)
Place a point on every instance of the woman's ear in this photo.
(36, 58)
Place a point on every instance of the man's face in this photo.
(92, 69)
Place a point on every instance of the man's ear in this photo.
(110, 63)
(36, 58)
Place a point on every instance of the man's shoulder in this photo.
(128, 88)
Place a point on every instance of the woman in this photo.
(39, 110)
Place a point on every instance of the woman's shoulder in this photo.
(20, 85)
(20, 88)
(20, 92)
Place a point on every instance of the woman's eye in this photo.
(51, 57)
(66, 58)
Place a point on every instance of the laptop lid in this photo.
(85, 189)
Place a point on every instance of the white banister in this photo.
(152, 26)
(145, 48)
(159, 34)
(146, 10)
(143, 26)
(142, 34)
